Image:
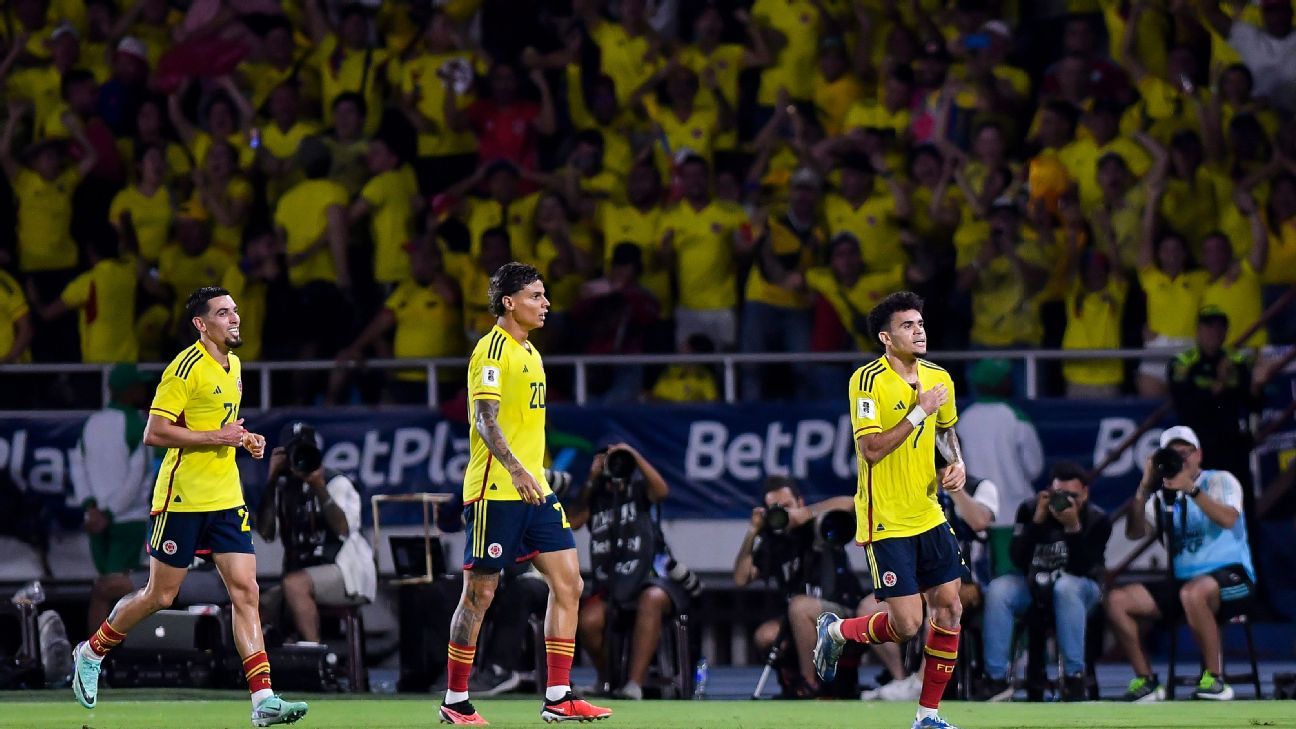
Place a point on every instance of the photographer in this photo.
(631, 564)
(327, 561)
(787, 543)
(1058, 543)
(1213, 576)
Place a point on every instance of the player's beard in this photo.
(233, 341)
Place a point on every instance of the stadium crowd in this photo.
(689, 177)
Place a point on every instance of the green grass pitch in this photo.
(162, 709)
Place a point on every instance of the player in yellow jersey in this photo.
(902, 410)
(198, 504)
(510, 513)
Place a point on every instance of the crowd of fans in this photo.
(688, 176)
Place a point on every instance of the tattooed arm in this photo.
(954, 475)
(487, 424)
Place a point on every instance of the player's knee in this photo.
(766, 634)
(161, 598)
(568, 590)
(906, 625)
(480, 593)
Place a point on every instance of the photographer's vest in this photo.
(303, 527)
(625, 539)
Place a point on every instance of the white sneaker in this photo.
(904, 689)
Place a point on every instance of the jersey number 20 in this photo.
(537, 395)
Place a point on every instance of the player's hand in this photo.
(953, 477)
(230, 434)
(527, 486)
(254, 443)
(931, 400)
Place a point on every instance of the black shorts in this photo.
(176, 536)
(1237, 592)
(908, 565)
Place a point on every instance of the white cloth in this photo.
(1001, 445)
(105, 469)
(1272, 62)
(355, 558)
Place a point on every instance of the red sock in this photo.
(559, 653)
(104, 640)
(256, 669)
(942, 654)
(869, 629)
(459, 666)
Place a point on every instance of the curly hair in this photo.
(879, 319)
(508, 280)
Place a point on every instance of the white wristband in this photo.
(916, 416)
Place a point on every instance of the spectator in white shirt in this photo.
(1267, 50)
(112, 477)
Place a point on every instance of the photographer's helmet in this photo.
(1181, 433)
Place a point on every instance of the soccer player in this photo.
(912, 550)
(510, 513)
(198, 503)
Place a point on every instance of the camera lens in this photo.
(776, 519)
(1059, 500)
(620, 465)
(1167, 462)
(304, 456)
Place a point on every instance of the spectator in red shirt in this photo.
(506, 125)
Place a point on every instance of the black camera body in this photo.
(1060, 500)
(302, 449)
(777, 520)
(1167, 463)
(619, 465)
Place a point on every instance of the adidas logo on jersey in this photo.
(524, 369)
(217, 392)
(899, 406)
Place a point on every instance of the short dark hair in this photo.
(511, 278)
(777, 483)
(1070, 471)
(197, 303)
(879, 319)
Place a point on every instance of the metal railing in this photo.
(582, 364)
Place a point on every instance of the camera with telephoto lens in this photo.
(1060, 501)
(1167, 463)
(303, 452)
(835, 529)
(619, 466)
(776, 520)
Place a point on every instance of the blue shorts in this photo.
(501, 533)
(176, 536)
(908, 565)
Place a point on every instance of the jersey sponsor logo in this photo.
(495, 550)
(899, 406)
(169, 547)
(889, 578)
(525, 369)
(217, 391)
(864, 407)
(490, 376)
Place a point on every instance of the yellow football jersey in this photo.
(512, 373)
(199, 394)
(896, 497)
